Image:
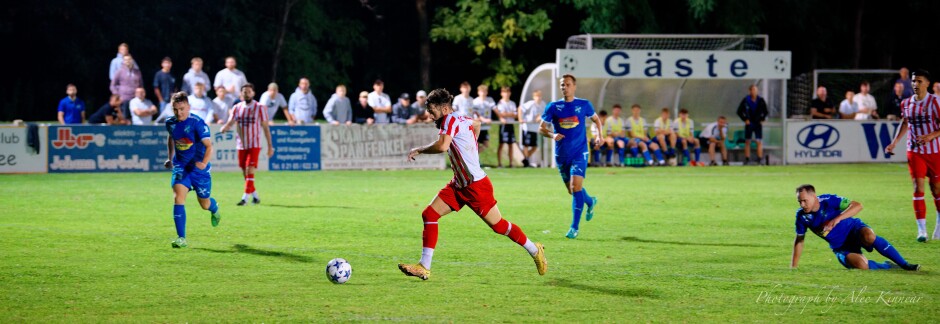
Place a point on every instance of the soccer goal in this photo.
(707, 74)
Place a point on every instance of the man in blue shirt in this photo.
(832, 218)
(71, 108)
(567, 117)
(189, 147)
(753, 112)
(164, 83)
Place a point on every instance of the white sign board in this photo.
(377, 147)
(655, 64)
(838, 141)
(225, 156)
(15, 154)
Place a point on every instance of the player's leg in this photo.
(202, 184)
(579, 198)
(510, 142)
(501, 226)
(933, 177)
(917, 165)
(608, 149)
(657, 151)
(855, 261)
(748, 133)
(243, 165)
(180, 189)
(724, 152)
(712, 144)
(440, 206)
(672, 143)
(621, 150)
(253, 155)
(645, 149)
(870, 241)
(499, 154)
(759, 137)
(697, 146)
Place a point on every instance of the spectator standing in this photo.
(867, 107)
(822, 106)
(195, 75)
(483, 106)
(164, 84)
(848, 108)
(905, 81)
(118, 61)
(893, 105)
(302, 107)
(508, 112)
(362, 111)
(401, 110)
(420, 107)
(275, 101)
(110, 114)
(529, 117)
(142, 109)
(463, 103)
(200, 104)
(71, 108)
(231, 78)
(753, 112)
(715, 135)
(380, 103)
(223, 104)
(127, 79)
(338, 109)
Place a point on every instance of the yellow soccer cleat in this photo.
(540, 263)
(415, 270)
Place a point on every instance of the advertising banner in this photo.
(846, 141)
(16, 153)
(106, 148)
(655, 64)
(296, 148)
(357, 147)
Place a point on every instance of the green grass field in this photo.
(667, 244)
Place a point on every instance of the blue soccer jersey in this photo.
(187, 140)
(830, 206)
(569, 119)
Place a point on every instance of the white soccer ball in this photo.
(338, 270)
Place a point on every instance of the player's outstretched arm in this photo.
(169, 152)
(797, 251)
(439, 146)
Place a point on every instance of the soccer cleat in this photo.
(242, 202)
(713, 163)
(255, 201)
(179, 243)
(572, 234)
(216, 217)
(590, 211)
(415, 270)
(911, 267)
(921, 236)
(540, 263)
(936, 233)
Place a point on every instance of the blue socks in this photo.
(213, 207)
(646, 155)
(872, 265)
(698, 152)
(659, 155)
(887, 250)
(597, 156)
(634, 151)
(609, 153)
(586, 198)
(179, 218)
(620, 153)
(577, 204)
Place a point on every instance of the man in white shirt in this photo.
(483, 106)
(273, 100)
(200, 104)
(529, 116)
(230, 78)
(463, 103)
(195, 75)
(867, 107)
(715, 135)
(338, 109)
(508, 112)
(142, 109)
(223, 104)
(380, 102)
(302, 107)
(848, 108)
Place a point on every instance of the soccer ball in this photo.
(338, 271)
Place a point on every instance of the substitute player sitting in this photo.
(636, 128)
(469, 187)
(665, 137)
(832, 218)
(189, 149)
(684, 128)
(616, 137)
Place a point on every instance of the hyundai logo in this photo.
(818, 136)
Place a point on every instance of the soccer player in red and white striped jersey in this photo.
(251, 119)
(469, 187)
(920, 114)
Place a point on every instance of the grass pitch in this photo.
(667, 244)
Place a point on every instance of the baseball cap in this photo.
(421, 93)
(404, 95)
(363, 94)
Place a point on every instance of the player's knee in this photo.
(868, 237)
(430, 215)
(205, 203)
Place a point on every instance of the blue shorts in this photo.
(850, 234)
(193, 178)
(754, 131)
(571, 167)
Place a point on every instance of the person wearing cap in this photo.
(362, 111)
(302, 107)
(420, 108)
(273, 100)
(381, 104)
(338, 109)
(401, 111)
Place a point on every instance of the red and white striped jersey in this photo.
(463, 153)
(921, 119)
(249, 118)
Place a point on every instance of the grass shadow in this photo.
(639, 240)
(308, 206)
(643, 292)
(242, 248)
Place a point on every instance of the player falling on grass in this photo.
(470, 185)
(251, 119)
(189, 148)
(832, 218)
(568, 116)
(920, 114)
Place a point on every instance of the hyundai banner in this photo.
(841, 141)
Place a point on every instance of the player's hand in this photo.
(598, 141)
(270, 151)
(924, 139)
(412, 154)
(889, 150)
(168, 164)
(200, 165)
(747, 122)
(558, 137)
(290, 123)
(334, 123)
(349, 123)
(223, 129)
(830, 224)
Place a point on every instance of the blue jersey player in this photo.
(832, 218)
(189, 147)
(568, 117)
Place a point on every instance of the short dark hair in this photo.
(616, 106)
(179, 97)
(922, 73)
(636, 106)
(722, 118)
(665, 109)
(602, 113)
(248, 85)
(439, 97)
(573, 79)
(683, 111)
(166, 59)
(806, 187)
(378, 82)
(864, 83)
(465, 84)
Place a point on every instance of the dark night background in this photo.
(52, 43)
